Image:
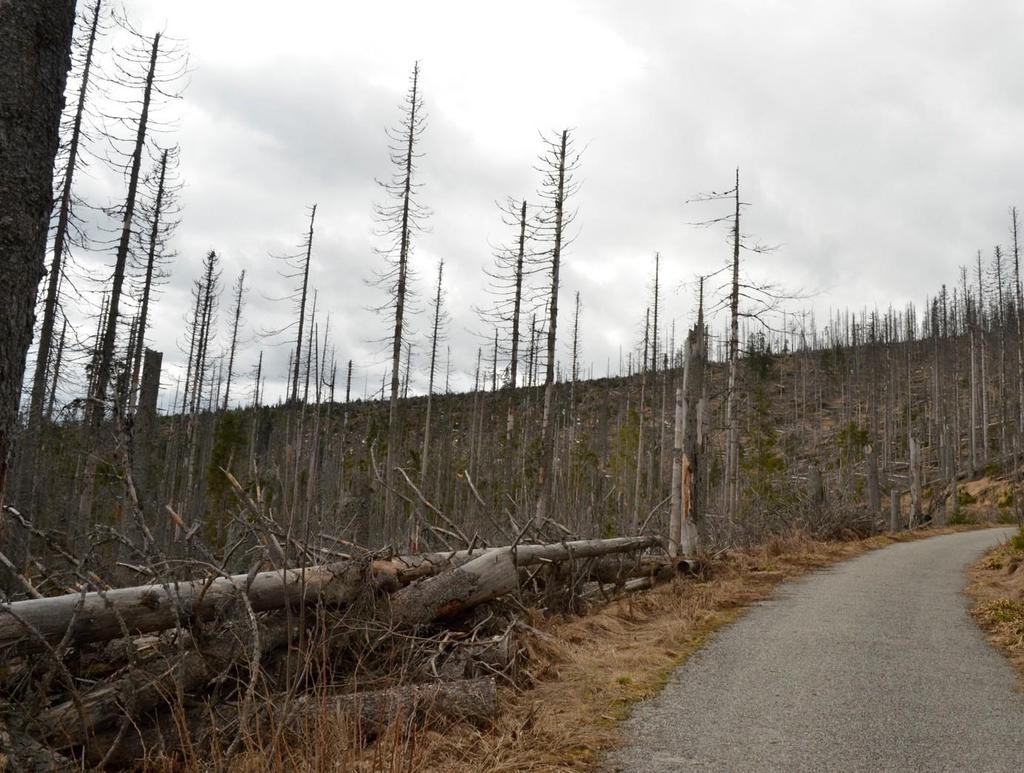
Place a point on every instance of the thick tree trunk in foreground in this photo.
(35, 44)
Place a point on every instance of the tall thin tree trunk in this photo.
(1019, 311)
(52, 395)
(547, 465)
(236, 318)
(110, 333)
(731, 416)
(434, 339)
(302, 306)
(148, 282)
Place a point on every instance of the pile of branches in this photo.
(106, 677)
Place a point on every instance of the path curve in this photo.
(871, 665)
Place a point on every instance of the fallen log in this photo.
(492, 575)
(101, 616)
(30, 625)
(192, 730)
(157, 681)
(21, 753)
(474, 700)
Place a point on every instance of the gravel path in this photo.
(872, 665)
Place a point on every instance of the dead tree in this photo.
(400, 217)
(506, 283)
(558, 163)
(160, 211)
(105, 364)
(634, 523)
(208, 293)
(686, 461)
(35, 44)
(436, 337)
(655, 304)
(236, 319)
(306, 257)
(1018, 312)
(61, 232)
(760, 300)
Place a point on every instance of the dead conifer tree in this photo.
(436, 337)
(304, 268)
(154, 71)
(207, 296)
(762, 299)
(506, 280)
(558, 162)
(62, 236)
(159, 210)
(400, 217)
(236, 321)
(1018, 312)
(634, 523)
(655, 304)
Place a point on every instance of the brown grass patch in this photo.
(997, 587)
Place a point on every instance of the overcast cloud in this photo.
(877, 143)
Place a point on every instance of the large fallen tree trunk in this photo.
(100, 616)
(32, 625)
(475, 700)
(492, 575)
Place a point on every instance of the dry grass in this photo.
(997, 588)
(586, 674)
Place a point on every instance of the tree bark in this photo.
(492, 575)
(35, 45)
(94, 617)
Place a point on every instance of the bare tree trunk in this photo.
(1018, 312)
(154, 236)
(547, 464)
(55, 382)
(686, 467)
(302, 306)
(732, 461)
(106, 361)
(60, 236)
(401, 280)
(984, 378)
(517, 300)
(434, 340)
(236, 317)
(915, 481)
(634, 521)
(874, 495)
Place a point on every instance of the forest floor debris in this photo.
(584, 672)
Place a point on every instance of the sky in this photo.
(876, 141)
